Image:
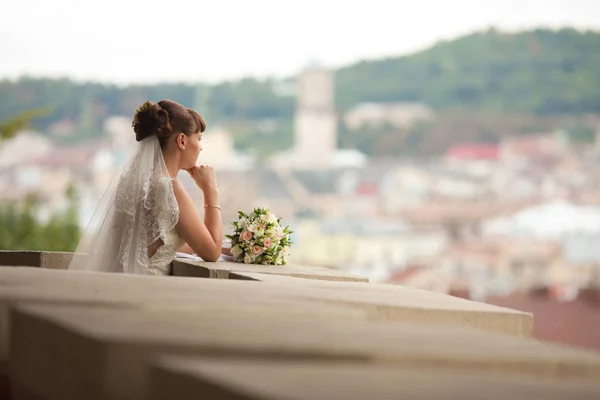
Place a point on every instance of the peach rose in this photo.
(245, 236)
(268, 242)
(257, 250)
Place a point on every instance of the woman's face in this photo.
(192, 150)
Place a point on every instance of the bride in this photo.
(146, 216)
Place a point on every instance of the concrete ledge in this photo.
(378, 302)
(190, 379)
(40, 259)
(55, 260)
(222, 270)
(52, 344)
(400, 303)
(157, 293)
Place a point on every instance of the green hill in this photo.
(540, 72)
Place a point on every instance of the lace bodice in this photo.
(153, 219)
(167, 211)
(159, 263)
(137, 209)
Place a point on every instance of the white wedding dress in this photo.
(160, 262)
(137, 210)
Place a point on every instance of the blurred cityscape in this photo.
(481, 191)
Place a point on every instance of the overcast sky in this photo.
(135, 41)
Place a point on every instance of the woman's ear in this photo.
(181, 140)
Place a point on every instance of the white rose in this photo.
(272, 218)
(236, 251)
(252, 228)
(244, 223)
(248, 259)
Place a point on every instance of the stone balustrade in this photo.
(263, 332)
(234, 379)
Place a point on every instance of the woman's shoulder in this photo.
(181, 193)
(178, 187)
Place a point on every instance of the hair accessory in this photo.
(141, 108)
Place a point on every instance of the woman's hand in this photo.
(205, 177)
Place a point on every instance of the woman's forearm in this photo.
(213, 219)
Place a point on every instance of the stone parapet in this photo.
(222, 270)
(73, 335)
(184, 378)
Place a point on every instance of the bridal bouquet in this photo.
(258, 238)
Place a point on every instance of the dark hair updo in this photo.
(165, 118)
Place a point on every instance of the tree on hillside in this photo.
(20, 228)
(538, 72)
(22, 121)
